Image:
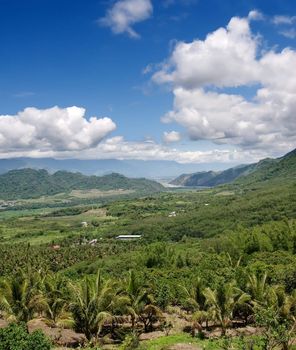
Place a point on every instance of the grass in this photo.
(168, 341)
(94, 193)
(165, 343)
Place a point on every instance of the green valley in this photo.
(218, 264)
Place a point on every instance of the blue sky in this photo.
(69, 53)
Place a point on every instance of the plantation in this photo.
(223, 264)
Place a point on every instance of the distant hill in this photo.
(212, 178)
(156, 169)
(266, 169)
(31, 183)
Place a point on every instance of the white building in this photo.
(128, 237)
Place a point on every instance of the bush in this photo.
(130, 342)
(16, 337)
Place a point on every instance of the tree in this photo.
(56, 293)
(21, 298)
(95, 301)
(222, 302)
(258, 288)
(141, 304)
(195, 301)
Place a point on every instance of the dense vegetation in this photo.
(213, 178)
(30, 183)
(217, 263)
(16, 337)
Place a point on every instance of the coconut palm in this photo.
(222, 302)
(95, 302)
(135, 293)
(195, 301)
(21, 298)
(194, 296)
(56, 294)
(141, 304)
(258, 288)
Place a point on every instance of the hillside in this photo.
(280, 169)
(30, 183)
(213, 178)
(266, 169)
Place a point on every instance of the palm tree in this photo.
(222, 302)
(258, 288)
(194, 296)
(135, 293)
(95, 302)
(196, 303)
(141, 304)
(56, 294)
(21, 298)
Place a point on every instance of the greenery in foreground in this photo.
(16, 337)
(226, 260)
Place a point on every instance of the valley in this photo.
(194, 244)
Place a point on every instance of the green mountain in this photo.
(30, 183)
(264, 170)
(213, 178)
(279, 169)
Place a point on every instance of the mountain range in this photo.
(155, 169)
(32, 183)
(266, 169)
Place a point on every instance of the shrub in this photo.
(16, 337)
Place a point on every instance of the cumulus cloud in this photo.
(215, 61)
(201, 73)
(171, 136)
(119, 148)
(54, 129)
(125, 13)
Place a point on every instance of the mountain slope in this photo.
(265, 170)
(212, 178)
(279, 169)
(30, 183)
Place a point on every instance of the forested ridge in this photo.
(265, 169)
(31, 183)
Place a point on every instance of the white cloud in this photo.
(54, 129)
(277, 20)
(125, 13)
(199, 73)
(225, 58)
(118, 148)
(255, 15)
(289, 33)
(286, 23)
(25, 143)
(171, 136)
